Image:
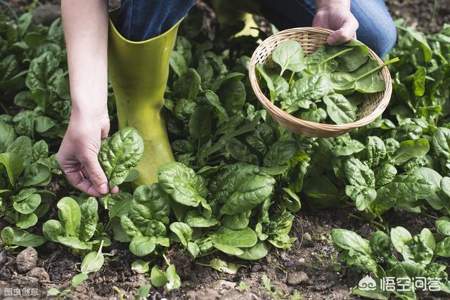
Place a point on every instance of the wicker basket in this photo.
(310, 39)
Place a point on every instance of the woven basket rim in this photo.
(315, 126)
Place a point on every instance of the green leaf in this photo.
(196, 220)
(422, 41)
(13, 164)
(89, 218)
(157, 277)
(27, 221)
(120, 153)
(427, 238)
(183, 231)
(443, 225)
(352, 60)
(232, 94)
(291, 201)
(188, 85)
(7, 136)
(142, 245)
(445, 186)
(17, 237)
(434, 179)
(53, 292)
(150, 202)
(289, 55)
(223, 266)
(27, 201)
(269, 82)
(400, 238)
(74, 242)
(52, 230)
(441, 144)
(78, 279)
(92, 262)
(140, 266)
(144, 291)
(339, 109)
(321, 192)
(182, 184)
(212, 99)
(350, 241)
(411, 149)
(193, 249)
(443, 247)
(419, 81)
(376, 151)
(200, 122)
(242, 238)
(174, 281)
(238, 221)
(385, 174)
(129, 227)
(405, 189)
(70, 216)
(256, 252)
(359, 173)
(117, 204)
(178, 63)
(361, 188)
(248, 194)
(278, 230)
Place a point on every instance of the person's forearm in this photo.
(86, 33)
(342, 4)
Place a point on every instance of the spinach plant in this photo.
(327, 85)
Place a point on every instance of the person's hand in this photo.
(79, 149)
(336, 16)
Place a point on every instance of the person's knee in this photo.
(384, 39)
(379, 34)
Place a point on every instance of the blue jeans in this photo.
(142, 19)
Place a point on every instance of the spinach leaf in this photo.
(22, 238)
(339, 109)
(289, 56)
(182, 184)
(120, 153)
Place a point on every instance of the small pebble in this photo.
(256, 268)
(2, 258)
(39, 273)
(296, 278)
(307, 239)
(26, 260)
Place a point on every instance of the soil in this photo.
(310, 270)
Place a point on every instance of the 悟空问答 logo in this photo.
(367, 284)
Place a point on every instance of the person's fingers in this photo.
(345, 33)
(320, 20)
(77, 180)
(105, 130)
(95, 173)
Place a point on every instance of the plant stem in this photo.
(291, 78)
(4, 108)
(342, 52)
(100, 248)
(391, 61)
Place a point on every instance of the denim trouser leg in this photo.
(142, 19)
(139, 20)
(376, 27)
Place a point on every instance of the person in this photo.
(136, 28)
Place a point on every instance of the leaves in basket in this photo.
(326, 86)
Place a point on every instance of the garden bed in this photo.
(310, 269)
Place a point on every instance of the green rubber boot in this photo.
(138, 72)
